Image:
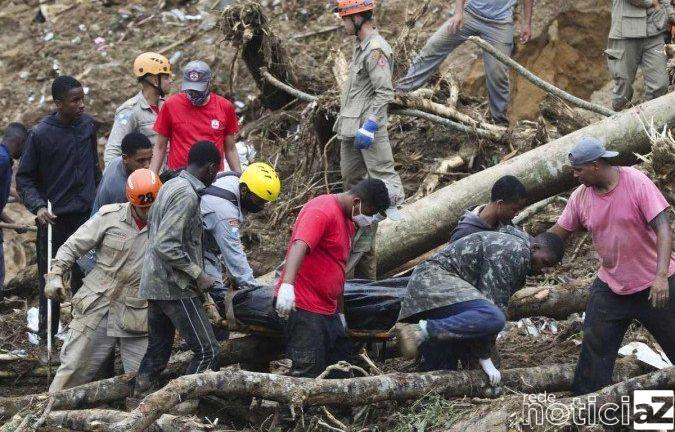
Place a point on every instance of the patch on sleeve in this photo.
(123, 117)
(233, 226)
(379, 57)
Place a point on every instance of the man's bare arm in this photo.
(560, 232)
(159, 153)
(659, 293)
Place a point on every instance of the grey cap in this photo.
(587, 150)
(196, 76)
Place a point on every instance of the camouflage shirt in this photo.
(174, 257)
(486, 265)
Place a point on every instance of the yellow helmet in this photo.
(151, 63)
(262, 180)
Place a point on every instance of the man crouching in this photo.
(106, 309)
(461, 294)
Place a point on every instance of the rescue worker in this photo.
(173, 280)
(107, 310)
(492, 20)
(138, 114)
(627, 217)
(461, 294)
(309, 291)
(224, 206)
(60, 165)
(636, 39)
(361, 125)
(507, 198)
(136, 154)
(194, 114)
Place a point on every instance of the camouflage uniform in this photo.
(636, 38)
(486, 265)
(134, 115)
(106, 309)
(172, 264)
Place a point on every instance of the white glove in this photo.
(489, 368)
(343, 320)
(285, 300)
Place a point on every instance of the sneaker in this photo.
(409, 338)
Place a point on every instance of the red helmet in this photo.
(353, 7)
(142, 187)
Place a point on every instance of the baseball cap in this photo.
(587, 150)
(196, 76)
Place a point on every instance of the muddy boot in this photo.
(410, 338)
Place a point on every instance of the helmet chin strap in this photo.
(357, 27)
(157, 87)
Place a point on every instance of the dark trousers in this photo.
(461, 331)
(608, 316)
(65, 226)
(189, 318)
(314, 342)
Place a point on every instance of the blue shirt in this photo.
(492, 10)
(113, 186)
(5, 175)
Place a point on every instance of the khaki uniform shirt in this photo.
(368, 89)
(112, 286)
(638, 19)
(175, 257)
(134, 115)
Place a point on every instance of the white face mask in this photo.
(360, 219)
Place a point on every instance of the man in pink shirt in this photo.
(627, 217)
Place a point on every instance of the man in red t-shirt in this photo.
(309, 294)
(627, 218)
(194, 115)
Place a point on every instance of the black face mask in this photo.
(196, 97)
(249, 205)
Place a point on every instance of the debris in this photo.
(644, 353)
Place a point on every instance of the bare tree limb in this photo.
(546, 86)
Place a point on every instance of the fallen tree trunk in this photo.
(513, 415)
(249, 349)
(544, 171)
(555, 301)
(101, 419)
(349, 392)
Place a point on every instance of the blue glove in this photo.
(365, 136)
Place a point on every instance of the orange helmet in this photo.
(142, 187)
(151, 63)
(353, 7)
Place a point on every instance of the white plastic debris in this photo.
(646, 355)
(82, 27)
(246, 153)
(85, 89)
(529, 326)
(32, 321)
(175, 57)
(49, 36)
